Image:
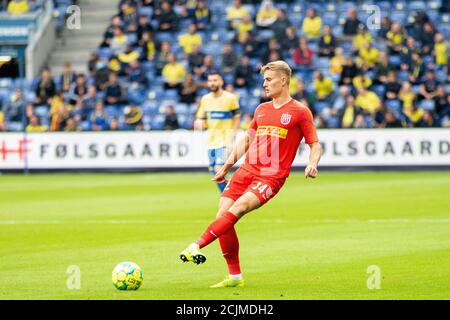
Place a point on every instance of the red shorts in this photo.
(243, 181)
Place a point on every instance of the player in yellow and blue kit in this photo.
(218, 113)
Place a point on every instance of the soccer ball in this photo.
(127, 276)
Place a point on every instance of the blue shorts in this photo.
(216, 158)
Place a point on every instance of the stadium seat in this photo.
(417, 5)
(147, 11)
(181, 108)
(157, 122)
(15, 126)
(319, 106)
(428, 105)
(395, 106)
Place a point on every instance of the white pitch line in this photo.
(206, 221)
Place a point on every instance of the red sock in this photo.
(217, 228)
(229, 244)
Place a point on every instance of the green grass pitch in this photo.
(314, 240)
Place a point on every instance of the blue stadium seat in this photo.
(427, 105)
(41, 111)
(434, 4)
(417, 5)
(147, 11)
(319, 106)
(399, 17)
(181, 108)
(329, 18)
(395, 106)
(15, 126)
(157, 122)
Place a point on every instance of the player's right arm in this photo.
(200, 117)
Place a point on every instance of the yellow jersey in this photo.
(188, 41)
(18, 7)
(441, 53)
(218, 113)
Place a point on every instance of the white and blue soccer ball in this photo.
(127, 276)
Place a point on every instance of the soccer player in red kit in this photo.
(270, 146)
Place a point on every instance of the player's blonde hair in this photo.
(279, 66)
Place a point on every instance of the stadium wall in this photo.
(181, 149)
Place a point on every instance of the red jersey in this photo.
(277, 134)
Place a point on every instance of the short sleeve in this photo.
(201, 114)
(234, 107)
(307, 126)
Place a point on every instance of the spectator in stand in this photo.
(360, 40)
(67, 77)
(428, 120)
(323, 86)
(289, 41)
(195, 59)
(119, 41)
(327, 43)
(382, 69)
(280, 25)
(173, 73)
(349, 113)
(245, 26)
(393, 86)
(442, 102)
(416, 69)
(166, 17)
(71, 125)
(349, 71)
(114, 92)
(368, 56)
(15, 107)
(188, 89)
(230, 59)
(202, 15)
(17, 7)
(59, 118)
(440, 50)
(337, 62)
(312, 24)
(250, 45)
(301, 95)
(243, 77)
(163, 57)
(390, 121)
(395, 39)
(351, 23)
(45, 88)
(143, 27)
(133, 117)
(406, 54)
(171, 120)
(114, 125)
(303, 54)
(88, 103)
(361, 80)
(428, 89)
(407, 96)
(385, 27)
(114, 65)
(101, 75)
(149, 46)
(414, 116)
(206, 68)
(128, 13)
(135, 75)
(267, 14)
(116, 22)
(97, 120)
(190, 39)
(367, 100)
(128, 56)
(235, 14)
(78, 90)
(427, 38)
(35, 125)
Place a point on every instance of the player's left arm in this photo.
(314, 157)
(310, 134)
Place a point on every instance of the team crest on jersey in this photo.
(285, 118)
